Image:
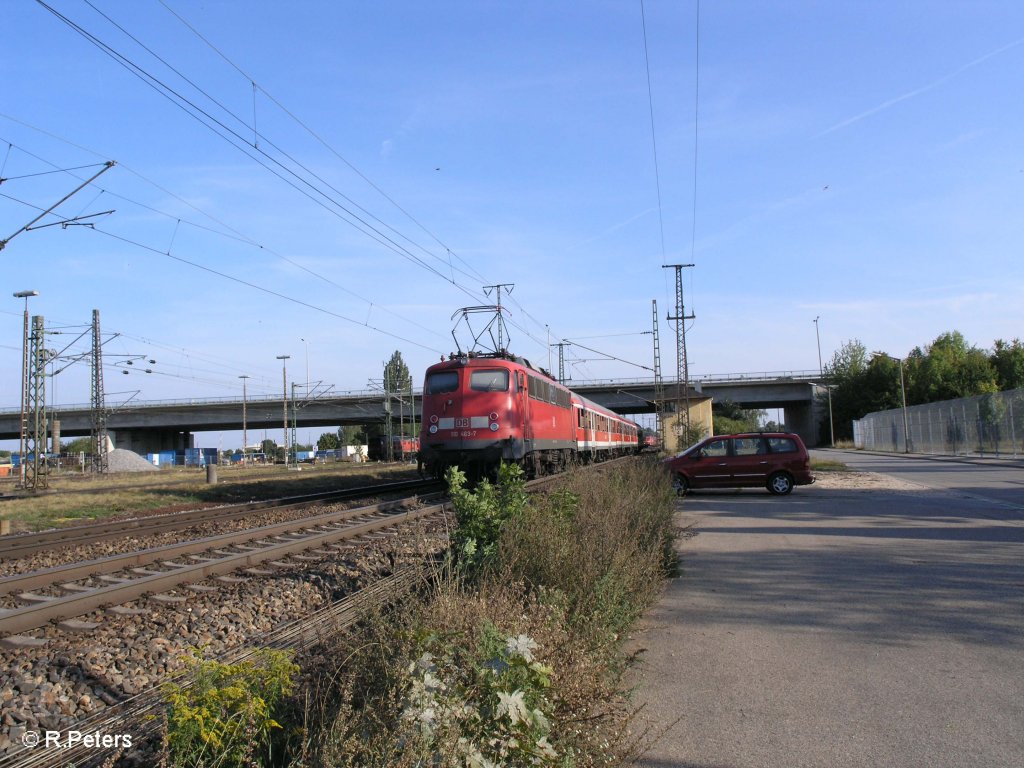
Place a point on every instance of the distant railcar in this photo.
(402, 448)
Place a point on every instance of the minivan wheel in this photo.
(780, 483)
(681, 484)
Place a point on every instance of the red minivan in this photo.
(776, 460)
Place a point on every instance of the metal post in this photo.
(487, 290)
(682, 364)
(906, 426)
(245, 433)
(295, 425)
(24, 388)
(1013, 431)
(35, 475)
(828, 388)
(100, 456)
(284, 401)
(659, 385)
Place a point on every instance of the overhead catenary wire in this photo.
(305, 184)
(236, 236)
(233, 137)
(315, 135)
(319, 139)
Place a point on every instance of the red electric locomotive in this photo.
(482, 409)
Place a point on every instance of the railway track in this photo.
(24, 544)
(139, 716)
(91, 585)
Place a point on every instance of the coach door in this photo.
(523, 408)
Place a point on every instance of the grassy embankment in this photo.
(513, 656)
(74, 499)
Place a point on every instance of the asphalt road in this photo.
(845, 627)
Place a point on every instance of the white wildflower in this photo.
(513, 705)
(544, 748)
(540, 721)
(522, 646)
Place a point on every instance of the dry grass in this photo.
(828, 465)
(572, 573)
(74, 499)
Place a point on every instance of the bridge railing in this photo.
(137, 404)
(701, 379)
(707, 378)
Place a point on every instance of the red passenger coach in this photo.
(481, 410)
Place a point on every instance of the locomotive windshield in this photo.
(489, 381)
(442, 381)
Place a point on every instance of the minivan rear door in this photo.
(749, 461)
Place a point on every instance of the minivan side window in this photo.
(782, 445)
(442, 381)
(716, 448)
(747, 446)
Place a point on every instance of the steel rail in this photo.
(389, 514)
(139, 715)
(22, 545)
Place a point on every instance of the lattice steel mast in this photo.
(682, 366)
(659, 384)
(98, 407)
(35, 443)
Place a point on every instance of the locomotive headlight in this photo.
(494, 426)
(494, 416)
(433, 429)
(433, 419)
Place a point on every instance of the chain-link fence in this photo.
(987, 425)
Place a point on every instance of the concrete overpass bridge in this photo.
(152, 426)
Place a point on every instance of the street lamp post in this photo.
(24, 388)
(903, 393)
(245, 433)
(284, 401)
(828, 388)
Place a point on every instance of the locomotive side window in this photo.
(442, 381)
(489, 381)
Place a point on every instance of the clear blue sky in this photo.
(860, 161)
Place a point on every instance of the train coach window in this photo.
(489, 381)
(442, 381)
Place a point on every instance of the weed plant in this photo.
(516, 656)
(223, 715)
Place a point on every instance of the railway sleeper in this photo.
(167, 599)
(114, 579)
(145, 571)
(16, 642)
(33, 598)
(72, 587)
(77, 625)
(125, 610)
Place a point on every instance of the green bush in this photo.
(482, 513)
(223, 714)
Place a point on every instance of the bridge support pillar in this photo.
(143, 441)
(803, 420)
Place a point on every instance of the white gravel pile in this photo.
(120, 460)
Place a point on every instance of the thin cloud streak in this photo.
(918, 91)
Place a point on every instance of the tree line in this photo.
(863, 382)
